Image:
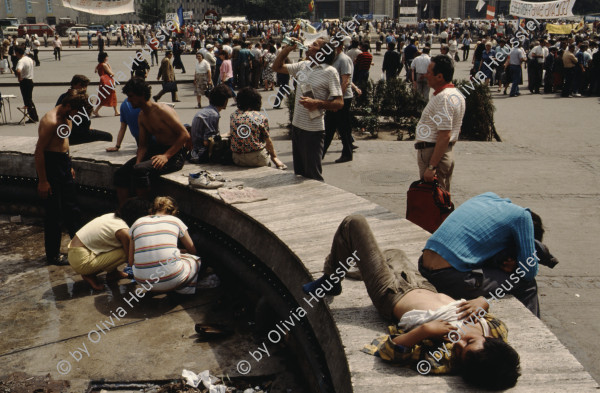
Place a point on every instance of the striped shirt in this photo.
(363, 61)
(444, 111)
(324, 81)
(156, 253)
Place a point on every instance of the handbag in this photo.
(169, 87)
(456, 58)
(428, 205)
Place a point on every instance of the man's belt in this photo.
(424, 145)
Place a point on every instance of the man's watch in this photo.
(431, 167)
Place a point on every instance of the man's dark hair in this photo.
(443, 65)
(133, 209)
(538, 228)
(495, 367)
(426, 50)
(328, 51)
(102, 56)
(219, 95)
(391, 46)
(19, 50)
(248, 99)
(75, 99)
(79, 79)
(138, 87)
(169, 52)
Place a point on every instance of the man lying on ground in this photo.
(153, 159)
(480, 354)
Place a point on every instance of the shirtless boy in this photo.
(56, 184)
(161, 142)
(480, 354)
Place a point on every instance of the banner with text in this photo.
(101, 7)
(408, 10)
(188, 15)
(28, 8)
(49, 7)
(408, 20)
(547, 10)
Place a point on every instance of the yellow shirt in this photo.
(99, 235)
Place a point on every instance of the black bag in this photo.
(456, 58)
(428, 205)
(219, 151)
(169, 87)
(208, 90)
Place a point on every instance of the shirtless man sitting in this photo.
(161, 142)
(451, 336)
(56, 176)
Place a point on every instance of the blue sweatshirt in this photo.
(482, 227)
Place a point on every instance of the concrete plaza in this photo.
(547, 161)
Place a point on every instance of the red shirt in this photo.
(363, 61)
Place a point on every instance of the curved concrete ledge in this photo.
(291, 233)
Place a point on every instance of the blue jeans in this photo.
(229, 83)
(515, 72)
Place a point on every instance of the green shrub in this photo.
(478, 122)
(397, 100)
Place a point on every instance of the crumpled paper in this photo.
(193, 379)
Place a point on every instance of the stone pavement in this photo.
(547, 161)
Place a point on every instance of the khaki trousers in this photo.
(444, 169)
(84, 261)
(252, 159)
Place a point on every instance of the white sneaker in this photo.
(204, 179)
(577, 95)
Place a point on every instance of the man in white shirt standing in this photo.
(318, 90)
(515, 58)
(419, 70)
(24, 72)
(440, 124)
(538, 54)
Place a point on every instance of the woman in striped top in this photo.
(157, 261)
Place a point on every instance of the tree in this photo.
(583, 7)
(152, 11)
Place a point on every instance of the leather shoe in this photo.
(343, 159)
(354, 147)
(155, 98)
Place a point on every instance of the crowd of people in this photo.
(465, 259)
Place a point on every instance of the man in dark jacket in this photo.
(391, 62)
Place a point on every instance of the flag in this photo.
(180, 21)
(425, 8)
(311, 5)
(480, 5)
(491, 12)
(580, 26)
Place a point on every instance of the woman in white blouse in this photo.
(202, 77)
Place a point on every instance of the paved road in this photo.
(547, 161)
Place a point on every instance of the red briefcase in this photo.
(428, 205)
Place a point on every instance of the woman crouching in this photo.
(158, 265)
